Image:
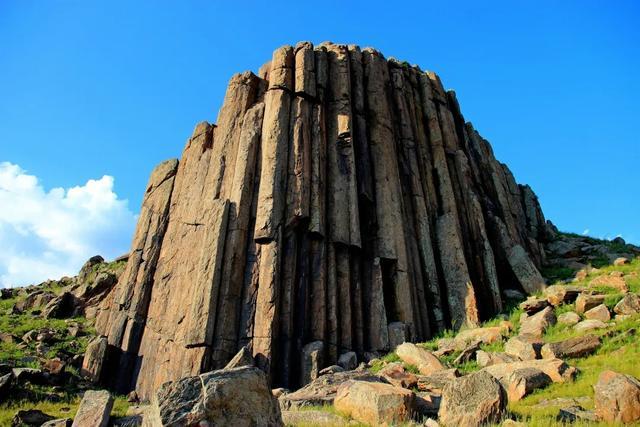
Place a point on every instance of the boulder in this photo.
(556, 369)
(30, 417)
(486, 335)
(486, 358)
(421, 358)
(521, 382)
(374, 403)
(569, 318)
(523, 347)
(620, 261)
(54, 366)
(617, 397)
(322, 390)
(94, 410)
(61, 307)
(571, 348)
(30, 375)
(612, 281)
(586, 302)
(395, 374)
(88, 268)
(94, 359)
(574, 413)
(562, 294)
(599, 312)
(244, 357)
(536, 325)
(348, 361)
(437, 380)
(590, 325)
(311, 361)
(397, 334)
(628, 305)
(238, 396)
(533, 305)
(473, 400)
(467, 354)
(333, 369)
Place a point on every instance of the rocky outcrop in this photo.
(340, 192)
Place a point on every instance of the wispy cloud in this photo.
(585, 232)
(49, 234)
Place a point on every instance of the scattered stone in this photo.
(562, 294)
(395, 374)
(620, 261)
(586, 302)
(374, 403)
(30, 417)
(571, 348)
(333, 369)
(617, 397)
(487, 335)
(397, 334)
(469, 353)
(536, 325)
(244, 357)
(94, 359)
(60, 422)
(94, 409)
(533, 305)
(569, 318)
(629, 305)
(575, 413)
(422, 359)
(612, 281)
(238, 396)
(61, 307)
(590, 325)
(54, 366)
(437, 380)
(348, 361)
(473, 400)
(30, 336)
(485, 358)
(523, 347)
(556, 369)
(322, 390)
(522, 382)
(30, 375)
(600, 312)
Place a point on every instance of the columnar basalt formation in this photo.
(339, 192)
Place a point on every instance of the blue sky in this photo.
(94, 94)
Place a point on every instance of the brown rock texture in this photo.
(338, 193)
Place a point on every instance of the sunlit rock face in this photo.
(339, 192)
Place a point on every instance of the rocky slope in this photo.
(339, 193)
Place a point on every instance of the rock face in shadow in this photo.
(339, 192)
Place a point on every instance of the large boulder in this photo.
(599, 312)
(94, 409)
(374, 403)
(523, 347)
(614, 281)
(473, 400)
(238, 396)
(562, 294)
(571, 348)
(420, 357)
(617, 397)
(322, 390)
(348, 361)
(590, 325)
(61, 307)
(569, 318)
(488, 358)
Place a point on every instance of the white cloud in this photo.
(49, 234)
(585, 232)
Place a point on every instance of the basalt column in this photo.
(339, 192)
